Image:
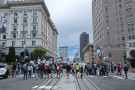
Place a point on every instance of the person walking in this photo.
(73, 69)
(125, 70)
(58, 68)
(49, 70)
(68, 68)
(81, 71)
(119, 69)
(25, 69)
(77, 68)
(18, 67)
(39, 71)
(86, 69)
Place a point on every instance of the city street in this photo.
(18, 83)
(111, 82)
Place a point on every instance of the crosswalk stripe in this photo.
(119, 77)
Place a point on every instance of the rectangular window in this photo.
(15, 13)
(130, 10)
(34, 27)
(33, 34)
(23, 43)
(120, 6)
(126, 4)
(34, 20)
(132, 30)
(108, 40)
(23, 35)
(34, 12)
(129, 37)
(122, 32)
(126, 10)
(13, 43)
(128, 24)
(133, 36)
(131, 16)
(133, 44)
(108, 33)
(25, 13)
(121, 19)
(33, 43)
(130, 44)
(123, 45)
(129, 31)
(24, 27)
(132, 23)
(14, 35)
(121, 13)
(15, 20)
(3, 44)
(123, 38)
(24, 20)
(106, 3)
(127, 17)
(121, 25)
(130, 3)
(15, 28)
(4, 36)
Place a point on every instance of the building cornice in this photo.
(26, 3)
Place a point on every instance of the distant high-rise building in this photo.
(63, 52)
(113, 26)
(84, 40)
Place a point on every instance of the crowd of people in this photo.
(66, 69)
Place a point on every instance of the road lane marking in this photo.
(119, 77)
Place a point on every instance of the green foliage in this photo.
(11, 54)
(26, 52)
(47, 57)
(38, 52)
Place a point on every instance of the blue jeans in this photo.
(18, 72)
(39, 73)
(25, 75)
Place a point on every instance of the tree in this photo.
(11, 55)
(47, 57)
(38, 52)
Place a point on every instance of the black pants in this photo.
(89, 71)
(45, 71)
(58, 72)
(77, 71)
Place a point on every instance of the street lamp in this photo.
(125, 59)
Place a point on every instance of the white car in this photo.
(4, 70)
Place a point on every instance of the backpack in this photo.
(58, 67)
(25, 68)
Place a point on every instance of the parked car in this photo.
(4, 70)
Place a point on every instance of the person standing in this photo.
(64, 69)
(18, 67)
(68, 68)
(14, 70)
(89, 69)
(35, 70)
(125, 70)
(46, 67)
(58, 68)
(30, 69)
(25, 69)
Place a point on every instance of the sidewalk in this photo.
(66, 84)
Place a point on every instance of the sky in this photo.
(71, 18)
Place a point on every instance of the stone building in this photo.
(27, 23)
(113, 25)
(88, 53)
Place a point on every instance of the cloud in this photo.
(71, 18)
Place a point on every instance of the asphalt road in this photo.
(113, 82)
(19, 84)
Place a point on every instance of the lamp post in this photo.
(125, 59)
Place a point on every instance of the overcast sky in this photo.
(71, 18)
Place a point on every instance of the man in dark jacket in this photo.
(81, 71)
(125, 70)
(68, 68)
